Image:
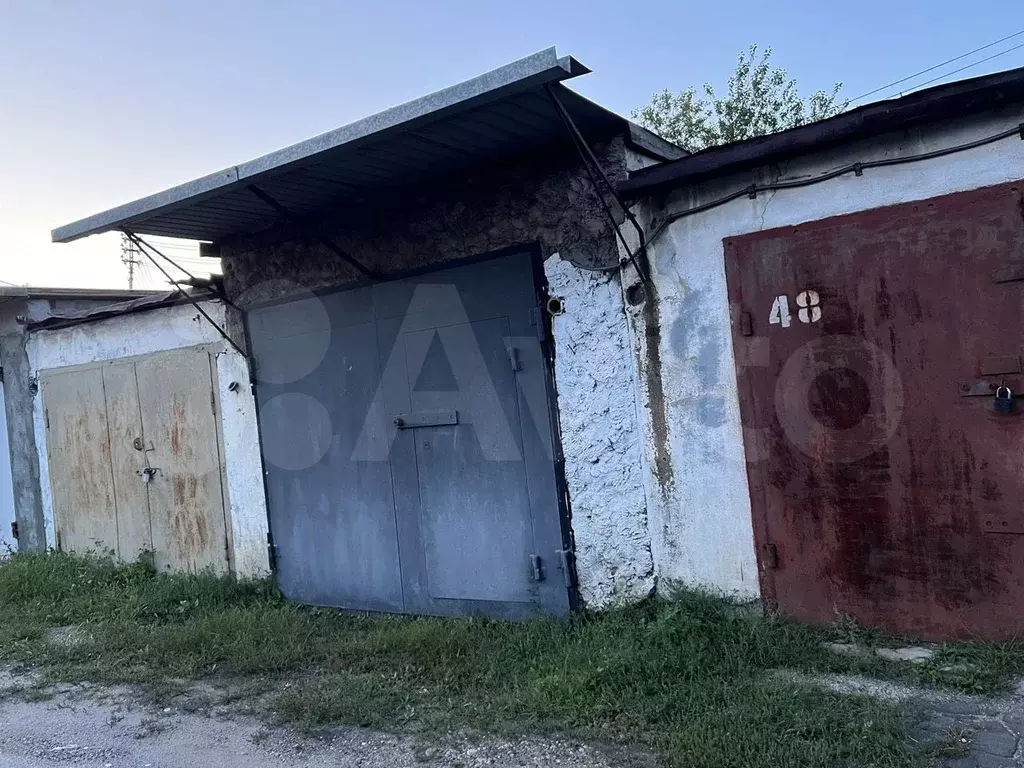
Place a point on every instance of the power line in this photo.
(857, 168)
(981, 61)
(948, 61)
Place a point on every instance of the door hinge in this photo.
(213, 401)
(746, 324)
(538, 570)
(537, 321)
(566, 561)
(771, 556)
(59, 546)
(46, 415)
(273, 555)
(14, 530)
(513, 358)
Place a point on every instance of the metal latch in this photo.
(416, 419)
(147, 474)
(538, 571)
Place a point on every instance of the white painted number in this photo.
(809, 303)
(780, 311)
(810, 309)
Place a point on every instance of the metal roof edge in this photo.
(48, 292)
(960, 97)
(647, 141)
(145, 303)
(541, 67)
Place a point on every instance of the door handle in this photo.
(417, 419)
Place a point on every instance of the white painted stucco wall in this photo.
(601, 441)
(701, 528)
(159, 330)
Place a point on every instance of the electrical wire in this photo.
(944, 63)
(143, 244)
(982, 61)
(584, 150)
(857, 168)
(182, 292)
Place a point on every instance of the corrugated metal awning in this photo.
(502, 113)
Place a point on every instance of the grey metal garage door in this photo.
(407, 439)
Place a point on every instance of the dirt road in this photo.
(116, 728)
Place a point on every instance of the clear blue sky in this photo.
(105, 101)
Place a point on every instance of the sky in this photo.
(106, 101)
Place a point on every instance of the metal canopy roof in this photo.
(502, 113)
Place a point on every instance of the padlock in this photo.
(1004, 400)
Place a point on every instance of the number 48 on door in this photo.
(808, 309)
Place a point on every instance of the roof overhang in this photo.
(950, 100)
(503, 113)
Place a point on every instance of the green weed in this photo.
(692, 679)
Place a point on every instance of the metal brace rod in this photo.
(219, 291)
(143, 245)
(588, 157)
(326, 241)
(170, 261)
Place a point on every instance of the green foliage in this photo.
(761, 99)
(697, 679)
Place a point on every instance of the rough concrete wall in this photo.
(600, 436)
(546, 199)
(7, 517)
(18, 403)
(158, 330)
(703, 533)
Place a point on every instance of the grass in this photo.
(691, 679)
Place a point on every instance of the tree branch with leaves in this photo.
(760, 99)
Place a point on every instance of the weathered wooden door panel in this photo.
(881, 488)
(78, 456)
(185, 492)
(128, 460)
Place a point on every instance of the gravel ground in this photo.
(116, 728)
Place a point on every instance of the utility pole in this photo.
(130, 258)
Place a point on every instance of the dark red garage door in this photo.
(884, 482)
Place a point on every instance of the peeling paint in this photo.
(160, 330)
(702, 534)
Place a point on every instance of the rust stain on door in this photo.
(78, 456)
(186, 502)
(879, 468)
(135, 462)
(128, 460)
